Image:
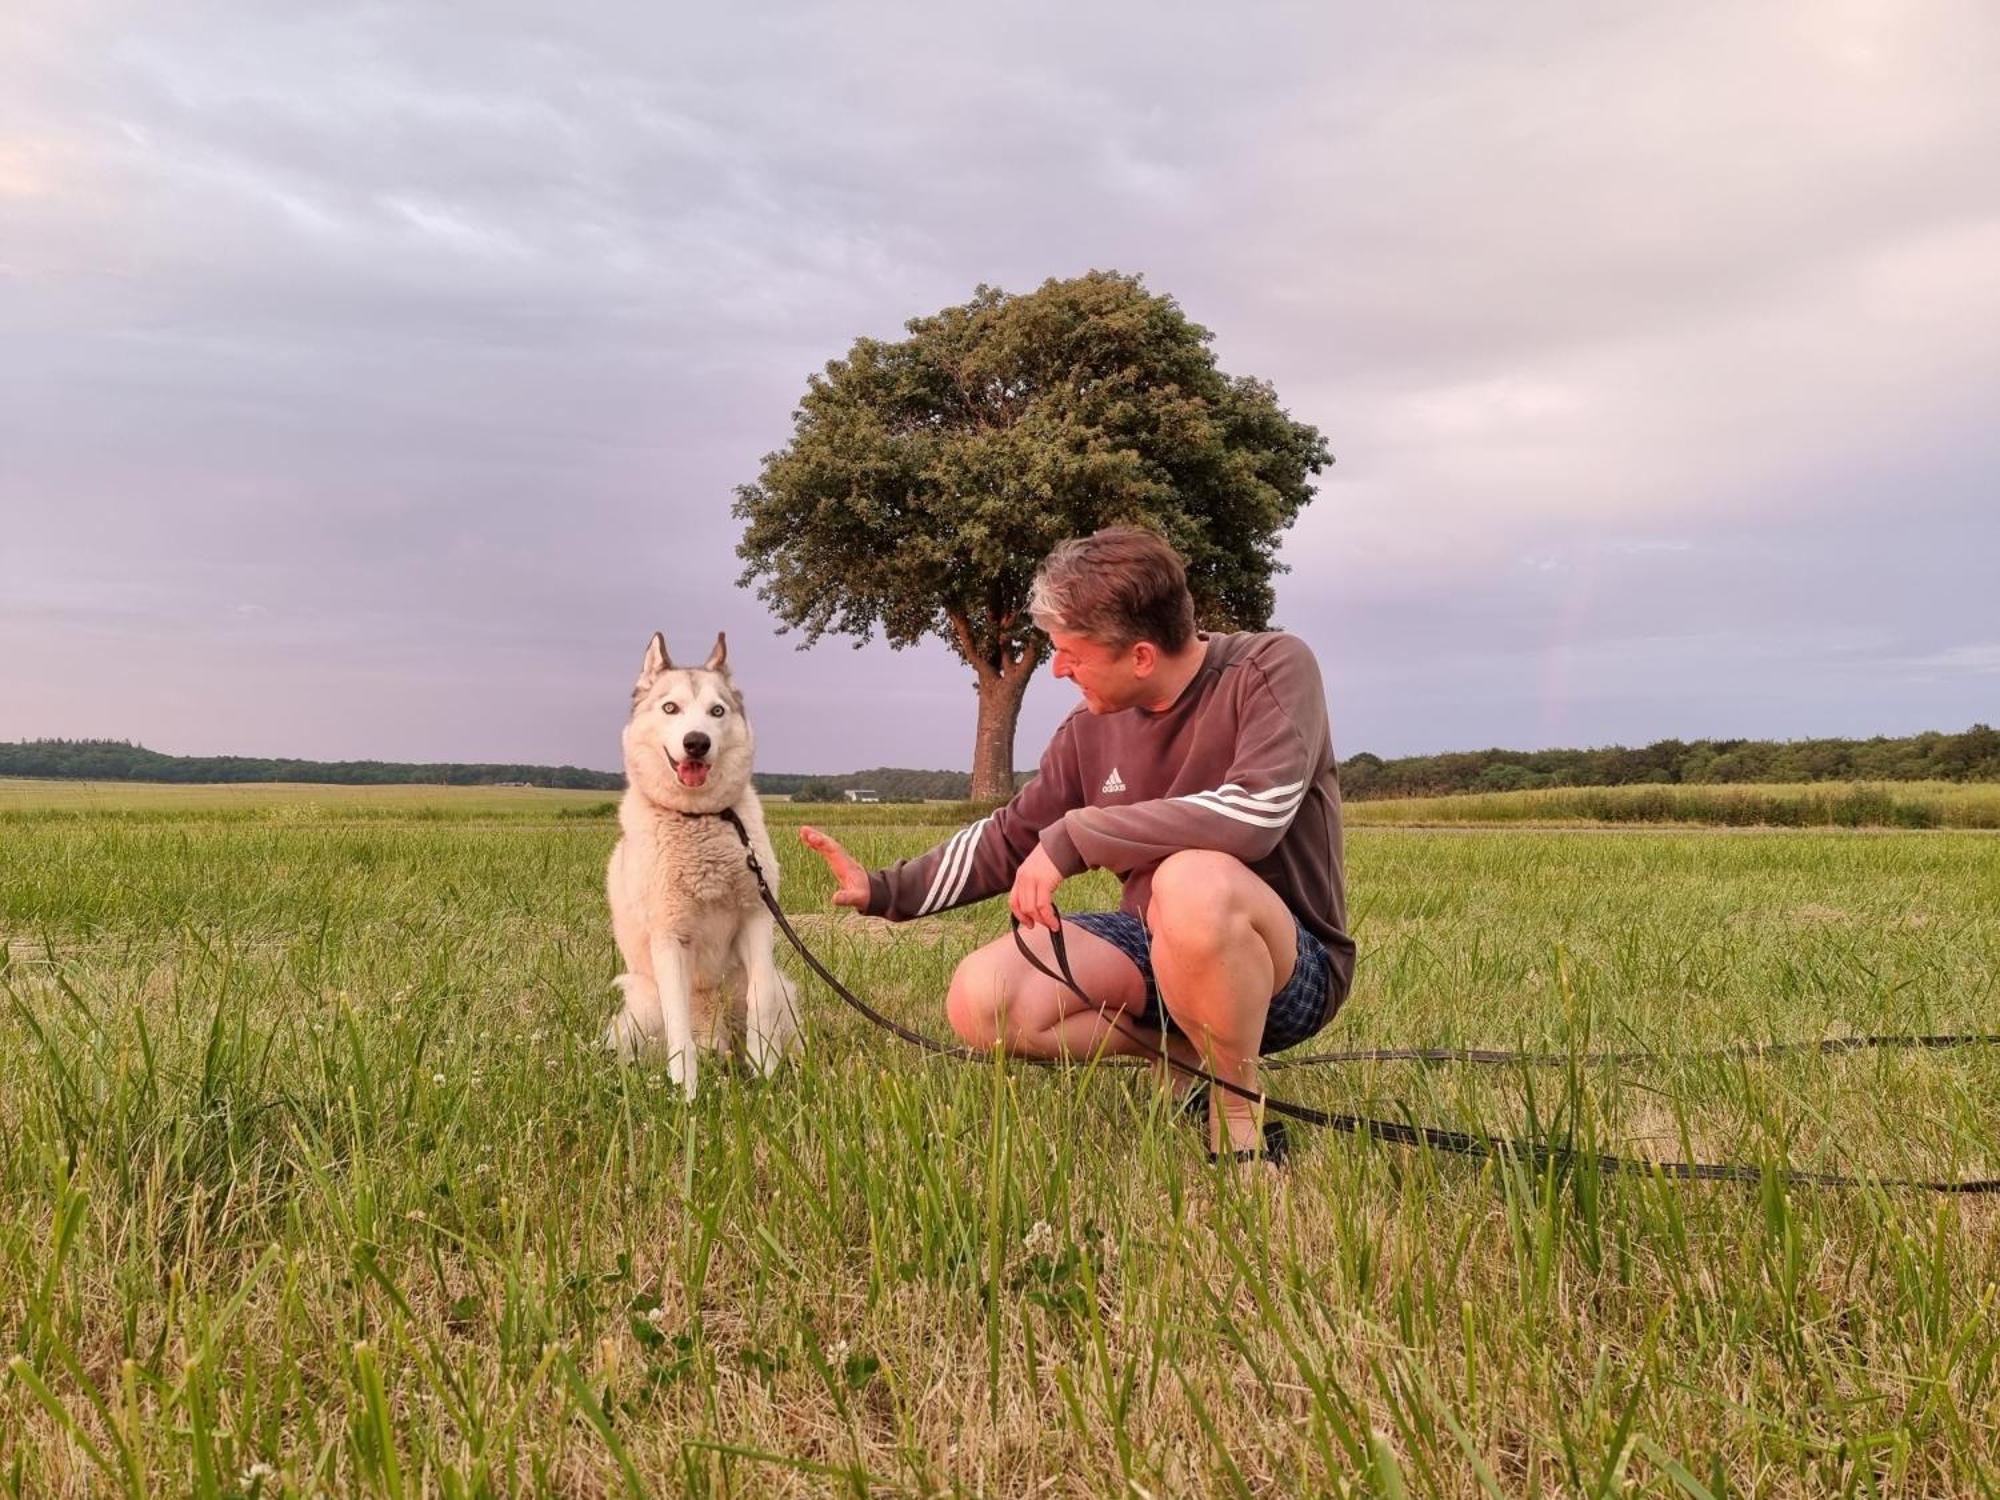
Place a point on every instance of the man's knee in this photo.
(976, 1003)
(1199, 900)
(1211, 908)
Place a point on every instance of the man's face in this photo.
(1109, 677)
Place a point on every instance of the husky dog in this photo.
(696, 938)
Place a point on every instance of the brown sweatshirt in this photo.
(1242, 761)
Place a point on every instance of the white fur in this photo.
(696, 938)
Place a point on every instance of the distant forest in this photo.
(119, 760)
(1971, 756)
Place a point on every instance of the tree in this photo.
(926, 479)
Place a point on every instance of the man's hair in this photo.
(1117, 586)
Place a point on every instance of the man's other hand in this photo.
(850, 880)
(1033, 899)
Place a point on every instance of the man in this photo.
(1200, 769)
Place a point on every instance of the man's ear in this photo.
(1145, 657)
(656, 662)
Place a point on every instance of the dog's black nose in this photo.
(696, 744)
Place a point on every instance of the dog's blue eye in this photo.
(670, 708)
(715, 711)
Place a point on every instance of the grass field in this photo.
(1880, 804)
(314, 1183)
(1903, 804)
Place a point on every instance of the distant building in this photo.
(862, 794)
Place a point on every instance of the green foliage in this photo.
(120, 760)
(889, 783)
(1971, 756)
(818, 789)
(925, 479)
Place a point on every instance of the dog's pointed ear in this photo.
(656, 662)
(718, 659)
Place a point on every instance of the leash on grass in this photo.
(1395, 1132)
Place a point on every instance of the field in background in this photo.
(316, 1183)
(1907, 804)
(1881, 804)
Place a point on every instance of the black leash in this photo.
(1832, 1046)
(1454, 1142)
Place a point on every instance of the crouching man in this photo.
(1199, 768)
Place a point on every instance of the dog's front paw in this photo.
(684, 1071)
(764, 1052)
(771, 1031)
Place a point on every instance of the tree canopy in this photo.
(927, 478)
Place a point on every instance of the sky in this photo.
(375, 379)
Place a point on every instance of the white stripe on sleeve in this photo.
(942, 873)
(965, 868)
(953, 869)
(1268, 809)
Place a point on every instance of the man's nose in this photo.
(695, 744)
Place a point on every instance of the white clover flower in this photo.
(438, 1079)
(256, 1473)
(1040, 1238)
(657, 1317)
(836, 1352)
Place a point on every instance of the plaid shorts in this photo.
(1297, 1011)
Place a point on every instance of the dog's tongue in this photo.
(692, 772)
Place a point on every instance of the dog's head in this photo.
(688, 742)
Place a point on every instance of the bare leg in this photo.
(998, 1001)
(1223, 944)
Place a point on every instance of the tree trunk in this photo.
(1000, 695)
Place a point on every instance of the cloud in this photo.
(1981, 659)
(434, 337)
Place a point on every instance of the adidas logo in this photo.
(1113, 784)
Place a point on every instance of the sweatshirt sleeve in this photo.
(1281, 749)
(980, 860)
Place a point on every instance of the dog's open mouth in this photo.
(690, 772)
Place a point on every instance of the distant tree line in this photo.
(1971, 756)
(120, 760)
(890, 783)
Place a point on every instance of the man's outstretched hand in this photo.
(850, 880)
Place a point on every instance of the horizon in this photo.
(1027, 770)
(379, 386)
